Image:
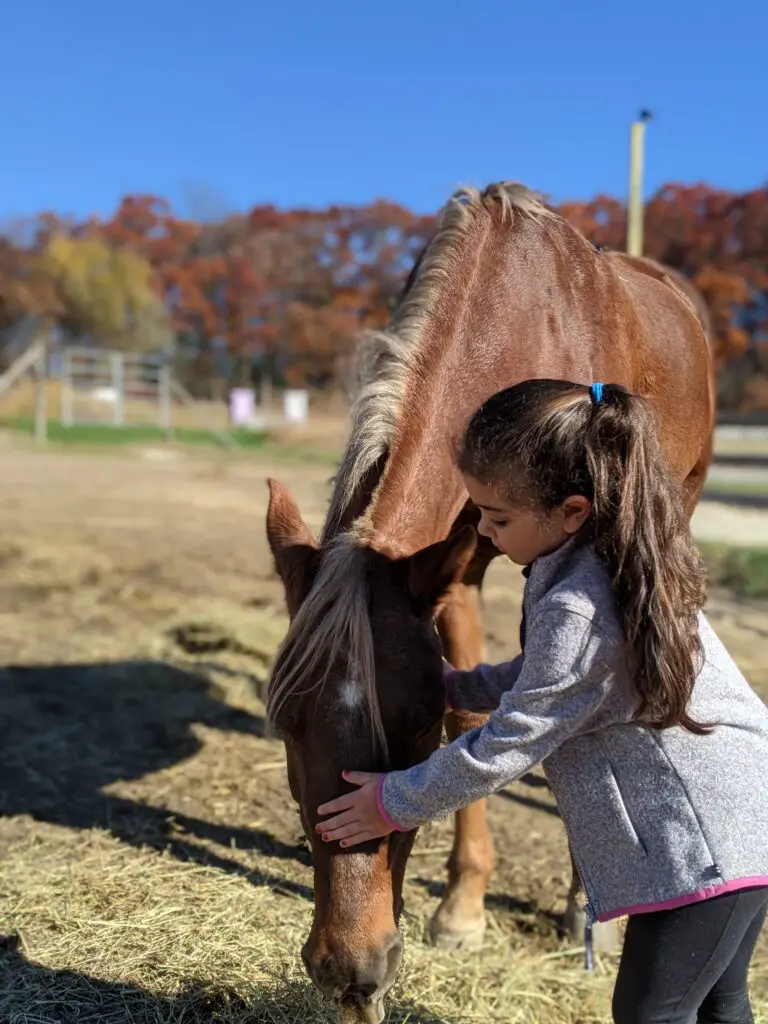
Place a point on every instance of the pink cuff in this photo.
(382, 809)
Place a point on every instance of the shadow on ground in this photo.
(70, 731)
(30, 991)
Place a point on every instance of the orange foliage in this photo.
(298, 284)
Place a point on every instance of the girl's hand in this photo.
(357, 817)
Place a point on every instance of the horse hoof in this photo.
(468, 940)
(605, 935)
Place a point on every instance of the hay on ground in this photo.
(108, 935)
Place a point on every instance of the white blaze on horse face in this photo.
(350, 695)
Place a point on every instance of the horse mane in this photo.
(384, 358)
(334, 622)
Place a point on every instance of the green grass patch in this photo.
(741, 570)
(105, 435)
(754, 488)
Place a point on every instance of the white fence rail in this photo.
(99, 386)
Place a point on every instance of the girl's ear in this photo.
(576, 511)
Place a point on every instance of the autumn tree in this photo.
(106, 294)
(26, 289)
(291, 289)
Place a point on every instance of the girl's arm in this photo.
(481, 688)
(566, 677)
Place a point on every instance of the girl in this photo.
(654, 744)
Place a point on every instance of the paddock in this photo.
(151, 866)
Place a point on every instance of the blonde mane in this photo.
(384, 358)
(334, 622)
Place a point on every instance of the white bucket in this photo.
(242, 407)
(296, 406)
(105, 394)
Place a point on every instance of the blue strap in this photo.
(596, 391)
(589, 954)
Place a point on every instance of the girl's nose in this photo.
(483, 529)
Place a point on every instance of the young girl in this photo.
(654, 744)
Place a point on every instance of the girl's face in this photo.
(523, 534)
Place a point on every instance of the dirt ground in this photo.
(138, 612)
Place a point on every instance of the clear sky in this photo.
(222, 104)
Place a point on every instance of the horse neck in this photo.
(418, 501)
(501, 314)
(421, 491)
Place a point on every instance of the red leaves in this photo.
(717, 238)
(300, 283)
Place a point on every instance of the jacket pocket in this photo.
(625, 809)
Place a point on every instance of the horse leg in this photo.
(605, 935)
(459, 922)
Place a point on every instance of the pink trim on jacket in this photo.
(759, 882)
(382, 809)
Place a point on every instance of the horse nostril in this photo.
(316, 969)
(363, 989)
(359, 980)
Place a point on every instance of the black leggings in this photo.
(689, 966)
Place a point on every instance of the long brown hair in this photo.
(544, 440)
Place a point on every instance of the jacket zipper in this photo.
(590, 912)
(590, 908)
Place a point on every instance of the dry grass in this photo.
(112, 935)
(150, 870)
(125, 898)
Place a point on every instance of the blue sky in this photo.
(222, 105)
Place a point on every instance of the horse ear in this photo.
(433, 570)
(294, 549)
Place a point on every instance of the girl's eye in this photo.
(499, 522)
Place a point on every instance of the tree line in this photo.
(288, 290)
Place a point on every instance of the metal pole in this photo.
(67, 417)
(118, 383)
(267, 391)
(635, 204)
(165, 407)
(41, 419)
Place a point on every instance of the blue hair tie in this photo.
(596, 391)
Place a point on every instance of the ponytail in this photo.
(550, 439)
(642, 532)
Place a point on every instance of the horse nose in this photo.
(354, 978)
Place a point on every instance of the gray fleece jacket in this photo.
(656, 818)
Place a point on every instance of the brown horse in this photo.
(505, 291)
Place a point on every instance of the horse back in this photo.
(673, 356)
(674, 278)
